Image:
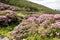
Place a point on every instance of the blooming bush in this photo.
(7, 17)
(8, 7)
(46, 25)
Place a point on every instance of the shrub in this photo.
(41, 24)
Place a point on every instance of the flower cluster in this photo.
(8, 7)
(43, 24)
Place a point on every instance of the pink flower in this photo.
(57, 24)
(57, 33)
(57, 16)
(40, 20)
(31, 18)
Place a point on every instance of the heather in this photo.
(24, 20)
(44, 25)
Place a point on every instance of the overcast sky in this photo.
(54, 4)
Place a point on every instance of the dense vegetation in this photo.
(33, 22)
(44, 25)
(28, 6)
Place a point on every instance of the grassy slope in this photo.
(25, 4)
(33, 6)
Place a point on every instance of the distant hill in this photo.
(58, 9)
(29, 6)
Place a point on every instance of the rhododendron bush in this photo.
(46, 25)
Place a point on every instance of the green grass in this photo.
(20, 14)
(38, 37)
(29, 5)
(5, 29)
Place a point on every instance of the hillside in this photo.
(29, 6)
(24, 20)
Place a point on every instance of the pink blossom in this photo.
(31, 18)
(57, 24)
(57, 16)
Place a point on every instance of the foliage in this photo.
(34, 26)
(4, 30)
(40, 24)
(29, 6)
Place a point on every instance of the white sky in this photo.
(54, 4)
